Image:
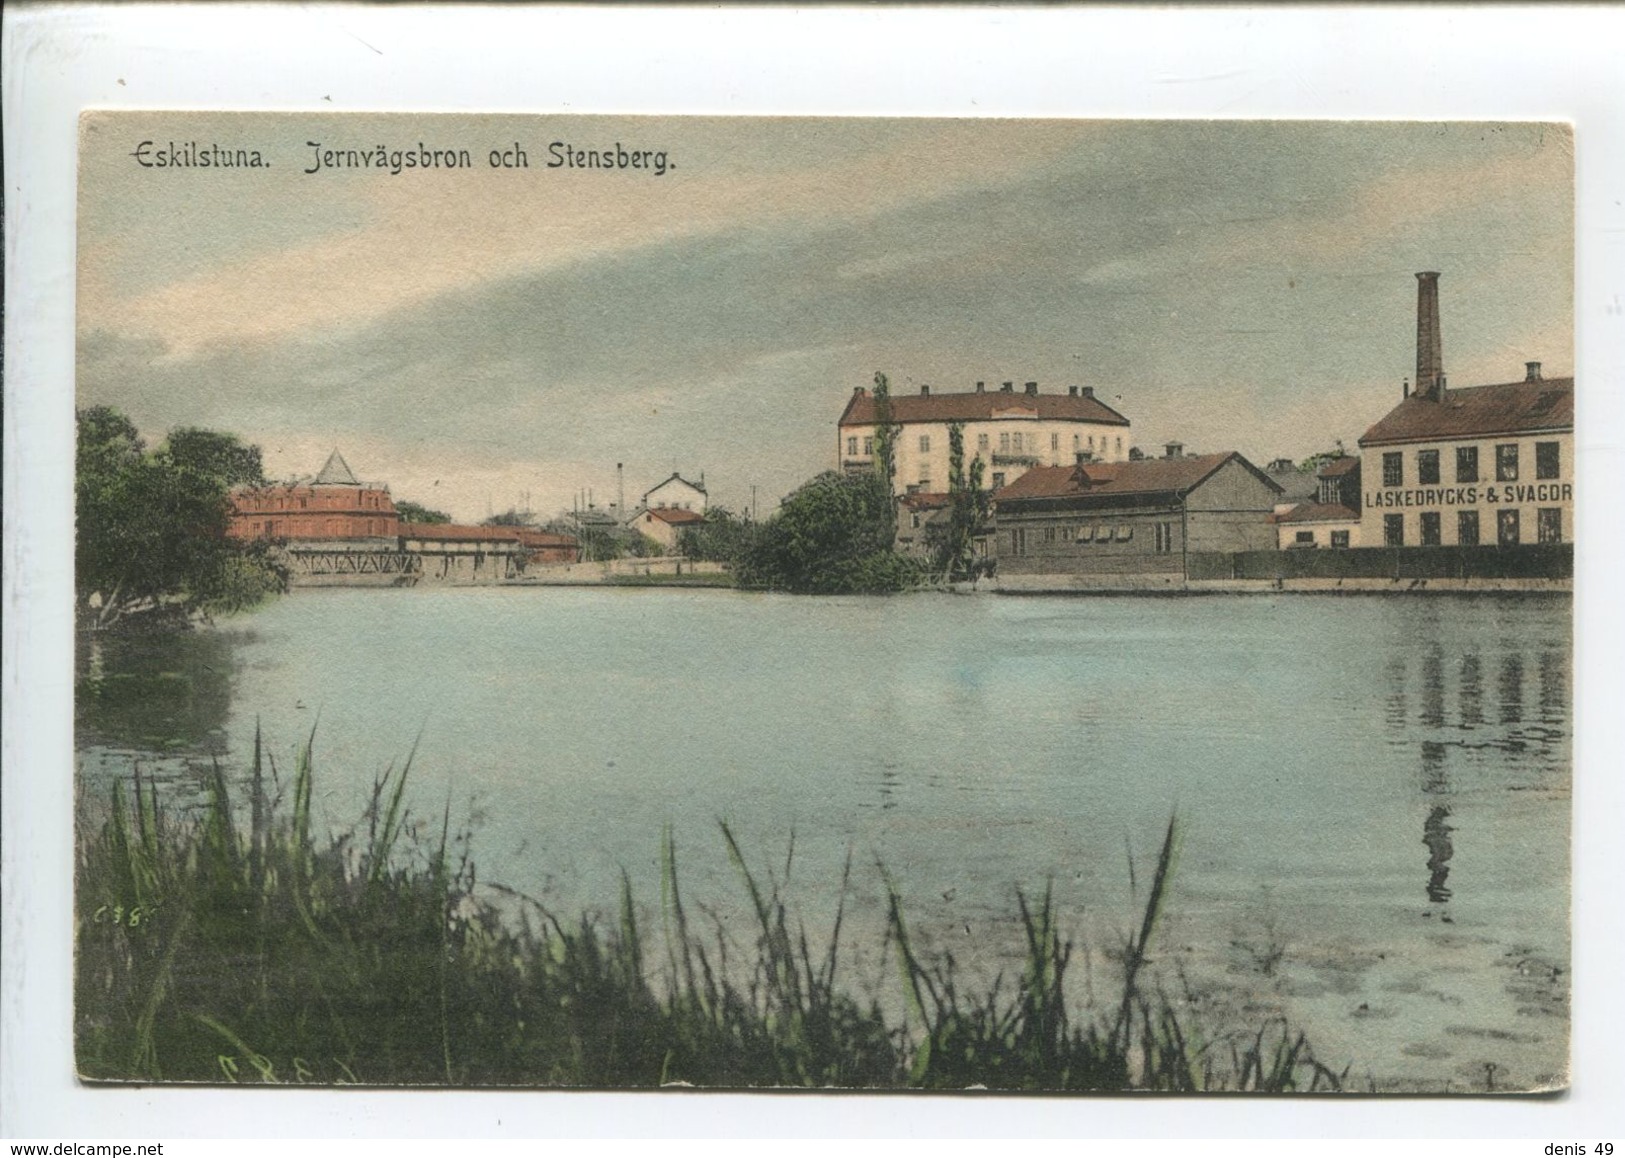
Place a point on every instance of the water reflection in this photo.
(162, 691)
(1436, 836)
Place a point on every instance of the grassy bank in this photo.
(235, 946)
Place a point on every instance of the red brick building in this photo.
(334, 505)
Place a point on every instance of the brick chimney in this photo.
(925, 391)
(1429, 341)
(1007, 388)
(1531, 371)
(1032, 387)
(980, 387)
(1071, 391)
(1088, 391)
(1174, 450)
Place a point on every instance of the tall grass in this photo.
(218, 947)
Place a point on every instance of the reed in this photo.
(224, 947)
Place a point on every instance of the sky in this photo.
(498, 337)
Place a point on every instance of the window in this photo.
(1467, 528)
(869, 445)
(1427, 467)
(981, 441)
(1393, 469)
(852, 446)
(925, 444)
(1049, 534)
(1506, 528)
(1304, 538)
(1124, 534)
(1086, 534)
(1506, 462)
(1548, 520)
(1015, 442)
(1165, 538)
(1077, 442)
(1091, 443)
(998, 479)
(1546, 461)
(914, 520)
(1004, 442)
(1055, 442)
(1340, 539)
(1430, 529)
(1393, 530)
(1018, 542)
(1119, 448)
(1466, 464)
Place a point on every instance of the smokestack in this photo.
(1032, 387)
(1531, 371)
(1429, 341)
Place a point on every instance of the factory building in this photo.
(1481, 466)
(333, 505)
(1137, 518)
(1011, 432)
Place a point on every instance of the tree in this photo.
(411, 512)
(887, 432)
(832, 536)
(721, 538)
(952, 541)
(151, 525)
(512, 517)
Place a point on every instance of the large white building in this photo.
(1010, 431)
(1482, 466)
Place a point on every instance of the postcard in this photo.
(1068, 606)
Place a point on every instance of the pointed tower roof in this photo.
(337, 473)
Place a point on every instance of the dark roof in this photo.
(675, 515)
(1319, 513)
(906, 408)
(1114, 479)
(1338, 467)
(1479, 411)
(924, 500)
(674, 475)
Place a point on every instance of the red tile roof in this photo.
(1319, 513)
(924, 500)
(906, 408)
(676, 516)
(457, 532)
(1478, 412)
(1115, 479)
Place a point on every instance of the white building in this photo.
(1010, 432)
(1483, 466)
(675, 493)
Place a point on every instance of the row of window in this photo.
(1010, 442)
(1340, 539)
(1508, 528)
(1547, 464)
(1093, 533)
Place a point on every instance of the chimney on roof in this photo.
(1085, 456)
(1071, 391)
(858, 391)
(980, 387)
(1007, 388)
(1531, 371)
(1032, 387)
(1088, 391)
(925, 391)
(1429, 341)
(1174, 450)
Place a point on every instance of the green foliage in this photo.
(722, 538)
(952, 541)
(219, 947)
(151, 526)
(411, 512)
(887, 432)
(512, 517)
(832, 536)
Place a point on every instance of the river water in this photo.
(1373, 792)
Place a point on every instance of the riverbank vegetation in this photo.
(151, 524)
(233, 944)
